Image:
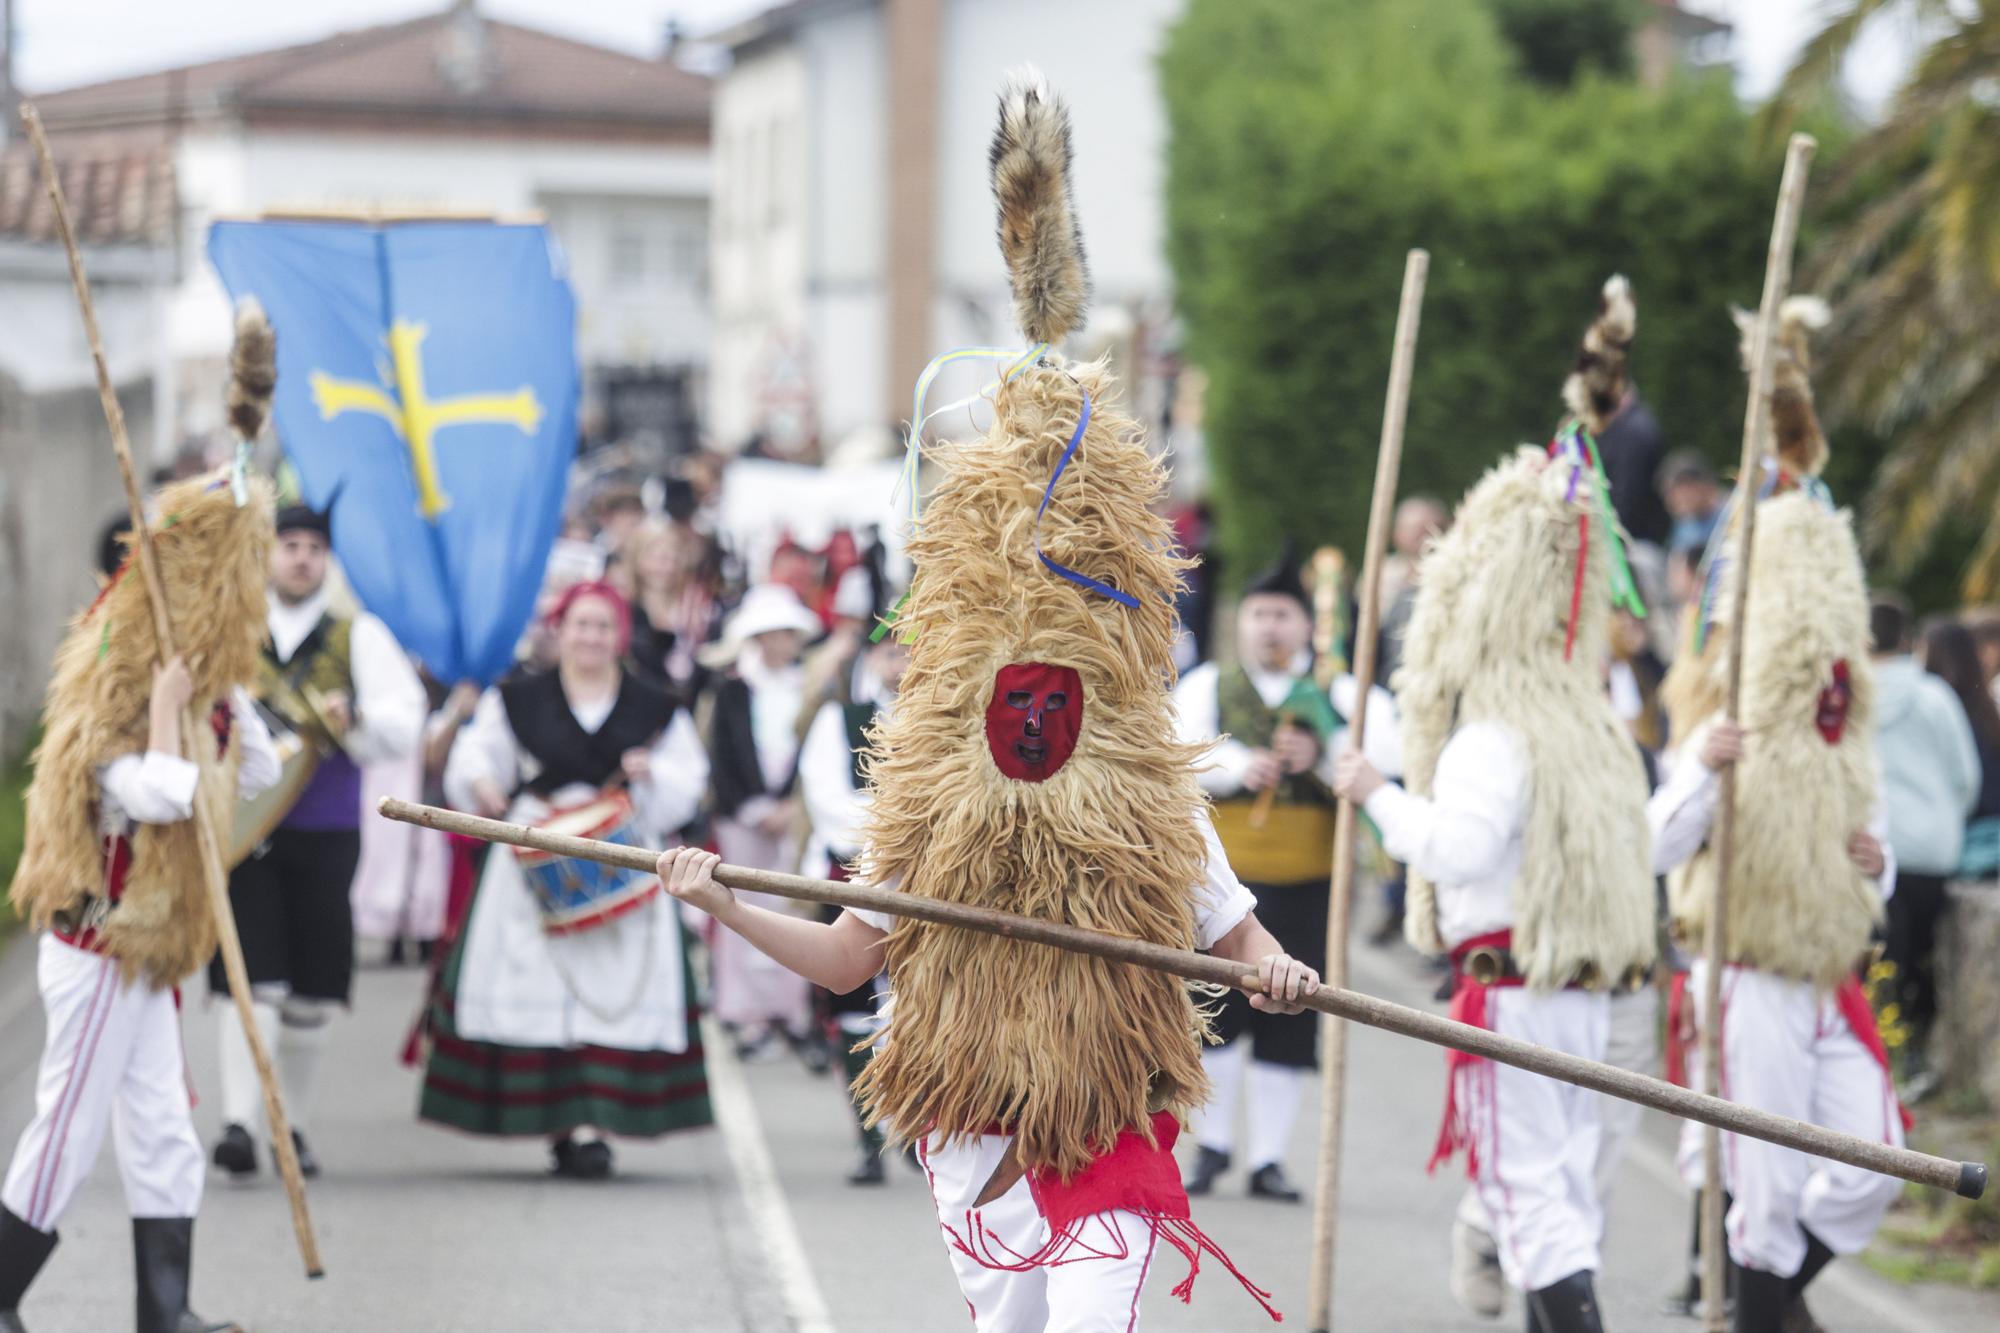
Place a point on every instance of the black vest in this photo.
(539, 713)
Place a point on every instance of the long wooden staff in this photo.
(192, 725)
(1965, 1178)
(1756, 421)
(1333, 1043)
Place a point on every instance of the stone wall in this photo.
(1967, 1039)
(59, 486)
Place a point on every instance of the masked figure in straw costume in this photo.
(1523, 825)
(1029, 766)
(111, 873)
(1809, 866)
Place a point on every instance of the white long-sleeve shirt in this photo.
(1466, 837)
(666, 801)
(389, 701)
(1198, 719)
(153, 787)
(1681, 813)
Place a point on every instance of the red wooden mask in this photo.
(1033, 719)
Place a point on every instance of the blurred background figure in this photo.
(753, 747)
(1931, 782)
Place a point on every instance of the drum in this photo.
(581, 895)
(258, 817)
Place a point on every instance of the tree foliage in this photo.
(1312, 145)
(1911, 257)
(1557, 40)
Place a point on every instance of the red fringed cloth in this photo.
(1135, 1176)
(1468, 1006)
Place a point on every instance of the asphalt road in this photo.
(754, 1229)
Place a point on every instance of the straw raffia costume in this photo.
(1029, 766)
(1523, 827)
(112, 874)
(1798, 1035)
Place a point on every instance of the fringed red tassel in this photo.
(1576, 588)
(1065, 1245)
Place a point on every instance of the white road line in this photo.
(743, 1133)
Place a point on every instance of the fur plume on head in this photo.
(1598, 381)
(1796, 437)
(1039, 235)
(253, 369)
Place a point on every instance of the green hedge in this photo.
(1312, 144)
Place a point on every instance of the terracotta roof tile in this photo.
(442, 62)
(123, 199)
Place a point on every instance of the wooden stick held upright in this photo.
(1333, 1032)
(193, 725)
(1967, 1179)
(1756, 422)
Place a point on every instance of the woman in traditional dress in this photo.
(754, 742)
(576, 1033)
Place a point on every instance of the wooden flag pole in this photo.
(1756, 421)
(1964, 1178)
(193, 724)
(1333, 1033)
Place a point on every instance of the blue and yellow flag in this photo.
(427, 388)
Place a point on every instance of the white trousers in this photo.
(1538, 1141)
(112, 1059)
(1787, 1048)
(1634, 1044)
(1094, 1290)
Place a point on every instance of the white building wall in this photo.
(848, 156)
(761, 375)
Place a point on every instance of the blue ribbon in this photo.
(1069, 452)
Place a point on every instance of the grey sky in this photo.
(65, 42)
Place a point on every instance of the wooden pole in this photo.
(1756, 421)
(1340, 906)
(193, 723)
(1964, 1178)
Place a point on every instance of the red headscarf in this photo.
(621, 611)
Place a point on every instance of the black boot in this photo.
(1208, 1164)
(868, 1167)
(23, 1251)
(1761, 1299)
(162, 1253)
(1568, 1306)
(236, 1152)
(1268, 1182)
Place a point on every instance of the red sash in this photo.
(1468, 1006)
(1135, 1176)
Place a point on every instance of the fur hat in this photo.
(1806, 781)
(1492, 639)
(1065, 1049)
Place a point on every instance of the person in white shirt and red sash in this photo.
(111, 873)
(1810, 867)
(1031, 765)
(1523, 824)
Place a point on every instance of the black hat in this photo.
(1282, 579)
(304, 518)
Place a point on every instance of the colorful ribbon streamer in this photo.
(1048, 493)
(1019, 359)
